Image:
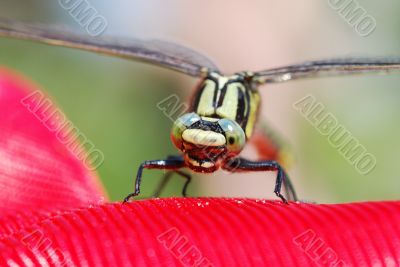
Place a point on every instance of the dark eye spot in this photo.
(231, 140)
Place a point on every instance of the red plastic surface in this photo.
(221, 232)
(47, 217)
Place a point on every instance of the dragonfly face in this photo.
(224, 110)
(207, 142)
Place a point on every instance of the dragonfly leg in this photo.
(240, 164)
(166, 179)
(170, 163)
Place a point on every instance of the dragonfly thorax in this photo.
(232, 97)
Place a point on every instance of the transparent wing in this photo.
(156, 52)
(332, 67)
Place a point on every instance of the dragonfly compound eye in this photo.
(180, 125)
(234, 134)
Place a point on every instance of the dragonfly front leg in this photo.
(165, 164)
(240, 164)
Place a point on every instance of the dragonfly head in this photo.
(206, 142)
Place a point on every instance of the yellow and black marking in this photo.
(231, 97)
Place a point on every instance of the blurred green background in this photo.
(113, 101)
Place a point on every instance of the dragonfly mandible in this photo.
(224, 109)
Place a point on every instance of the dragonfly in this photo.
(224, 108)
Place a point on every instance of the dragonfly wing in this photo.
(332, 67)
(155, 52)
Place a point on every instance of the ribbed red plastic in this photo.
(219, 232)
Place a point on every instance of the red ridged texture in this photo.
(50, 215)
(224, 232)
